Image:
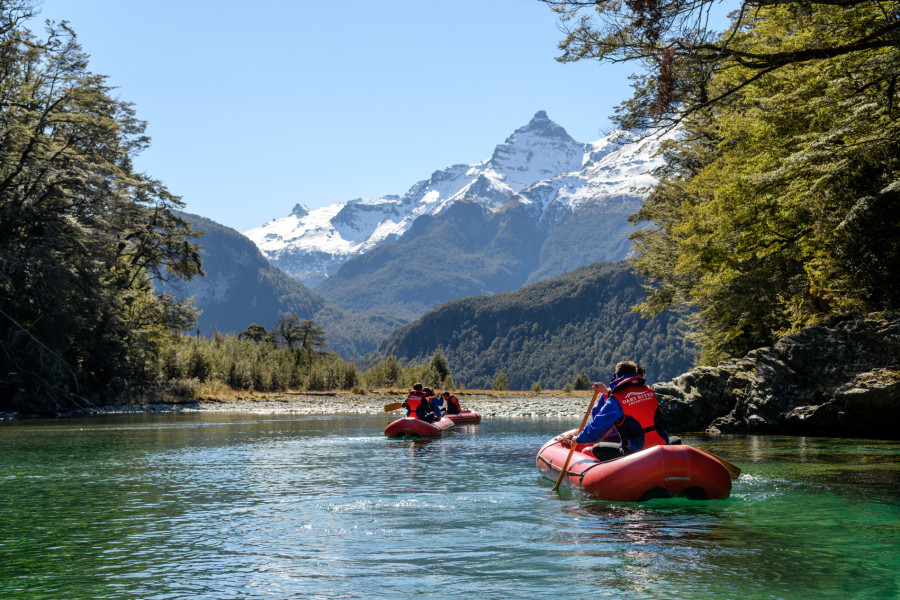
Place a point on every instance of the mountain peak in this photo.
(537, 151)
(541, 125)
(550, 171)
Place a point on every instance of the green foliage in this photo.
(582, 382)
(288, 331)
(439, 365)
(242, 363)
(303, 338)
(256, 333)
(330, 373)
(536, 387)
(580, 321)
(387, 373)
(390, 373)
(774, 208)
(83, 237)
(501, 382)
(681, 60)
(236, 362)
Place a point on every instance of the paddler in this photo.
(631, 409)
(417, 405)
(453, 407)
(435, 401)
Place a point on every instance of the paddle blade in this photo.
(733, 470)
(562, 472)
(392, 406)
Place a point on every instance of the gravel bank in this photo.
(494, 404)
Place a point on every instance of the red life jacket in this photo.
(642, 427)
(416, 405)
(453, 406)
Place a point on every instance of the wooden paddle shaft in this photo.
(562, 472)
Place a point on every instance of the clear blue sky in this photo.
(254, 107)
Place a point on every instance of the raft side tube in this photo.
(660, 471)
(411, 427)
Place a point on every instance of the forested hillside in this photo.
(548, 332)
(463, 252)
(241, 288)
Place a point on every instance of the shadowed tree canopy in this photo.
(679, 53)
(778, 203)
(82, 236)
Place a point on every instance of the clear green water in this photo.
(241, 506)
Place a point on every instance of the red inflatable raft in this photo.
(658, 472)
(466, 416)
(411, 427)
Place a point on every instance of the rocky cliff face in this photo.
(841, 378)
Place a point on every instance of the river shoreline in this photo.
(489, 404)
(492, 404)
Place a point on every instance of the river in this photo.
(226, 505)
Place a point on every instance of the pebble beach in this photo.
(492, 404)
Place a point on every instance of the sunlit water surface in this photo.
(243, 506)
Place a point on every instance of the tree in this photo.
(312, 340)
(582, 381)
(393, 370)
(680, 55)
(304, 338)
(440, 366)
(288, 331)
(770, 210)
(84, 240)
(501, 382)
(256, 333)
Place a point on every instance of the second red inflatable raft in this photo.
(411, 427)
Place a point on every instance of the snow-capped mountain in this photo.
(539, 165)
(613, 170)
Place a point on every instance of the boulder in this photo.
(838, 378)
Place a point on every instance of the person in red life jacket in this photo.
(631, 409)
(613, 435)
(435, 401)
(453, 407)
(417, 405)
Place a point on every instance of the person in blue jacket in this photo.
(436, 403)
(628, 407)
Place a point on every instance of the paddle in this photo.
(733, 470)
(392, 406)
(562, 473)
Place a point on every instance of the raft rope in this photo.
(581, 475)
